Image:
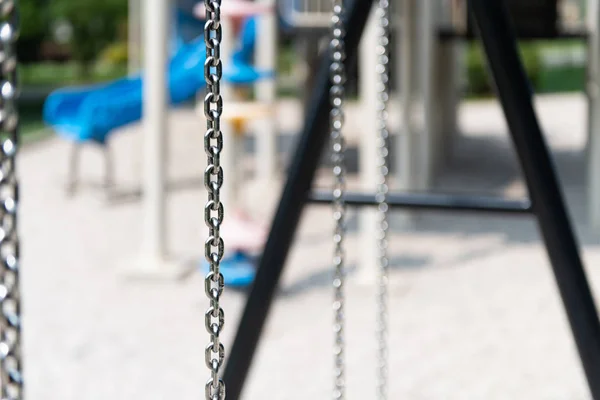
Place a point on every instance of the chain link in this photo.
(11, 378)
(383, 33)
(338, 79)
(213, 210)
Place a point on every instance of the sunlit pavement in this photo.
(474, 311)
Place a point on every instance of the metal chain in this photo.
(11, 377)
(338, 80)
(383, 14)
(213, 210)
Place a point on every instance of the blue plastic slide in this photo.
(91, 113)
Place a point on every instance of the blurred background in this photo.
(67, 43)
(113, 196)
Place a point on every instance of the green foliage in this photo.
(530, 55)
(34, 20)
(478, 78)
(35, 23)
(115, 54)
(477, 75)
(51, 74)
(95, 24)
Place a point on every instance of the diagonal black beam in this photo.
(515, 95)
(304, 163)
(431, 202)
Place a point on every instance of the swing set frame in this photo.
(546, 201)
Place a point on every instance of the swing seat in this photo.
(238, 269)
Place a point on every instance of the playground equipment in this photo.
(214, 209)
(154, 260)
(428, 72)
(246, 235)
(11, 378)
(338, 81)
(546, 199)
(91, 114)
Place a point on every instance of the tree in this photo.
(94, 23)
(34, 22)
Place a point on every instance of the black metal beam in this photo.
(302, 169)
(515, 96)
(432, 202)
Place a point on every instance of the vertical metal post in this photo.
(155, 126)
(445, 78)
(593, 93)
(293, 199)
(266, 58)
(368, 171)
(153, 262)
(426, 42)
(74, 161)
(515, 95)
(407, 160)
(407, 146)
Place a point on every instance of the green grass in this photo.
(552, 67)
(31, 132)
(32, 127)
(64, 74)
(563, 66)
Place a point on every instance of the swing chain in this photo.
(383, 13)
(338, 79)
(213, 210)
(11, 378)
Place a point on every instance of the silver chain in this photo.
(338, 79)
(213, 210)
(11, 377)
(383, 14)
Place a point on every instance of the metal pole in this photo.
(155, 125)
(266, 91)
(368, 171)
(432, 202)
(293, 199)
(408, 161)
(426, 41)
(445, 100)
(515, 95)
(407, 144)
(593, 93)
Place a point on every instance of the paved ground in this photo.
(474, 310)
